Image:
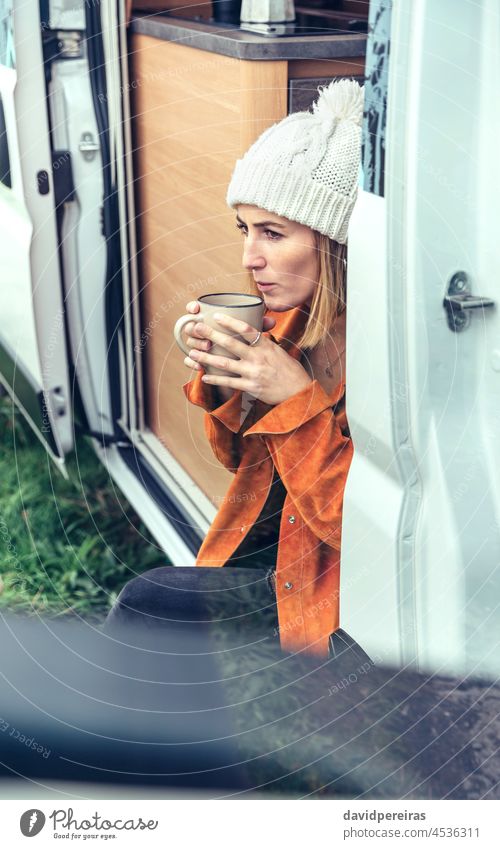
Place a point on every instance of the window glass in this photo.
(377, 65)
(4, 150)
(7, 56)
(7, 59)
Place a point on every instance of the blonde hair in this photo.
(329, 299)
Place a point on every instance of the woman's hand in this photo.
(198, 341)
(264, 370)
(193, 338)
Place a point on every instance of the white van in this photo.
(81, 340)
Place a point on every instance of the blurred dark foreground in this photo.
(191, 715)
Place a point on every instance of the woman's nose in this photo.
(253, 256)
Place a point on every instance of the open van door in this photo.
(33, 355)
(421, 533)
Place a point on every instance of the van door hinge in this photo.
(88, 146)
(58, 401)
(69, 44)
(459, 302)
(62, 44)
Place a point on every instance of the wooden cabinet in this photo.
(194, 114)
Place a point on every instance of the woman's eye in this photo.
(269, 234)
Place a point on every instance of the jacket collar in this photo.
(288, 329)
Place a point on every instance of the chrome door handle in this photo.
(459, 302)
(467, 302)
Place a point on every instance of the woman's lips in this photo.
(265, 286)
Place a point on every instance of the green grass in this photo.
(66, 546)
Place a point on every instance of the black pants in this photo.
(235, 602)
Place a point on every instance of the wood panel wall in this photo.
(194, 114)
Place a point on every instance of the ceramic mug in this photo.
(249, 308)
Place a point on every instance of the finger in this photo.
(229, 382)
(225, 363)
(193, 306)
(191, 364)
(199, 344)
(192, 328)
(268, 322)
(236, 325)
(234, 346)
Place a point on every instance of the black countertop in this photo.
(219, 38)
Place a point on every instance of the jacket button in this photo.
(288, 585)
(291, 519)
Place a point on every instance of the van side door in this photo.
(33, 354)
(421, 548)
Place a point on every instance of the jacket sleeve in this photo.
(222, 422)
(312, 456)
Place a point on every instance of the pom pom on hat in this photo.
(306, 167)
(342, 100)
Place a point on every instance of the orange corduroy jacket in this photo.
(307, 439)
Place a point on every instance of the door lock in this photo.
(459, 302)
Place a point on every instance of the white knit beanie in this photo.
(306, 167)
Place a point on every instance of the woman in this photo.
(278, 422)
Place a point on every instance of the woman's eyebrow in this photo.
(262, 223)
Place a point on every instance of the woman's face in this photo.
(281, 255)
